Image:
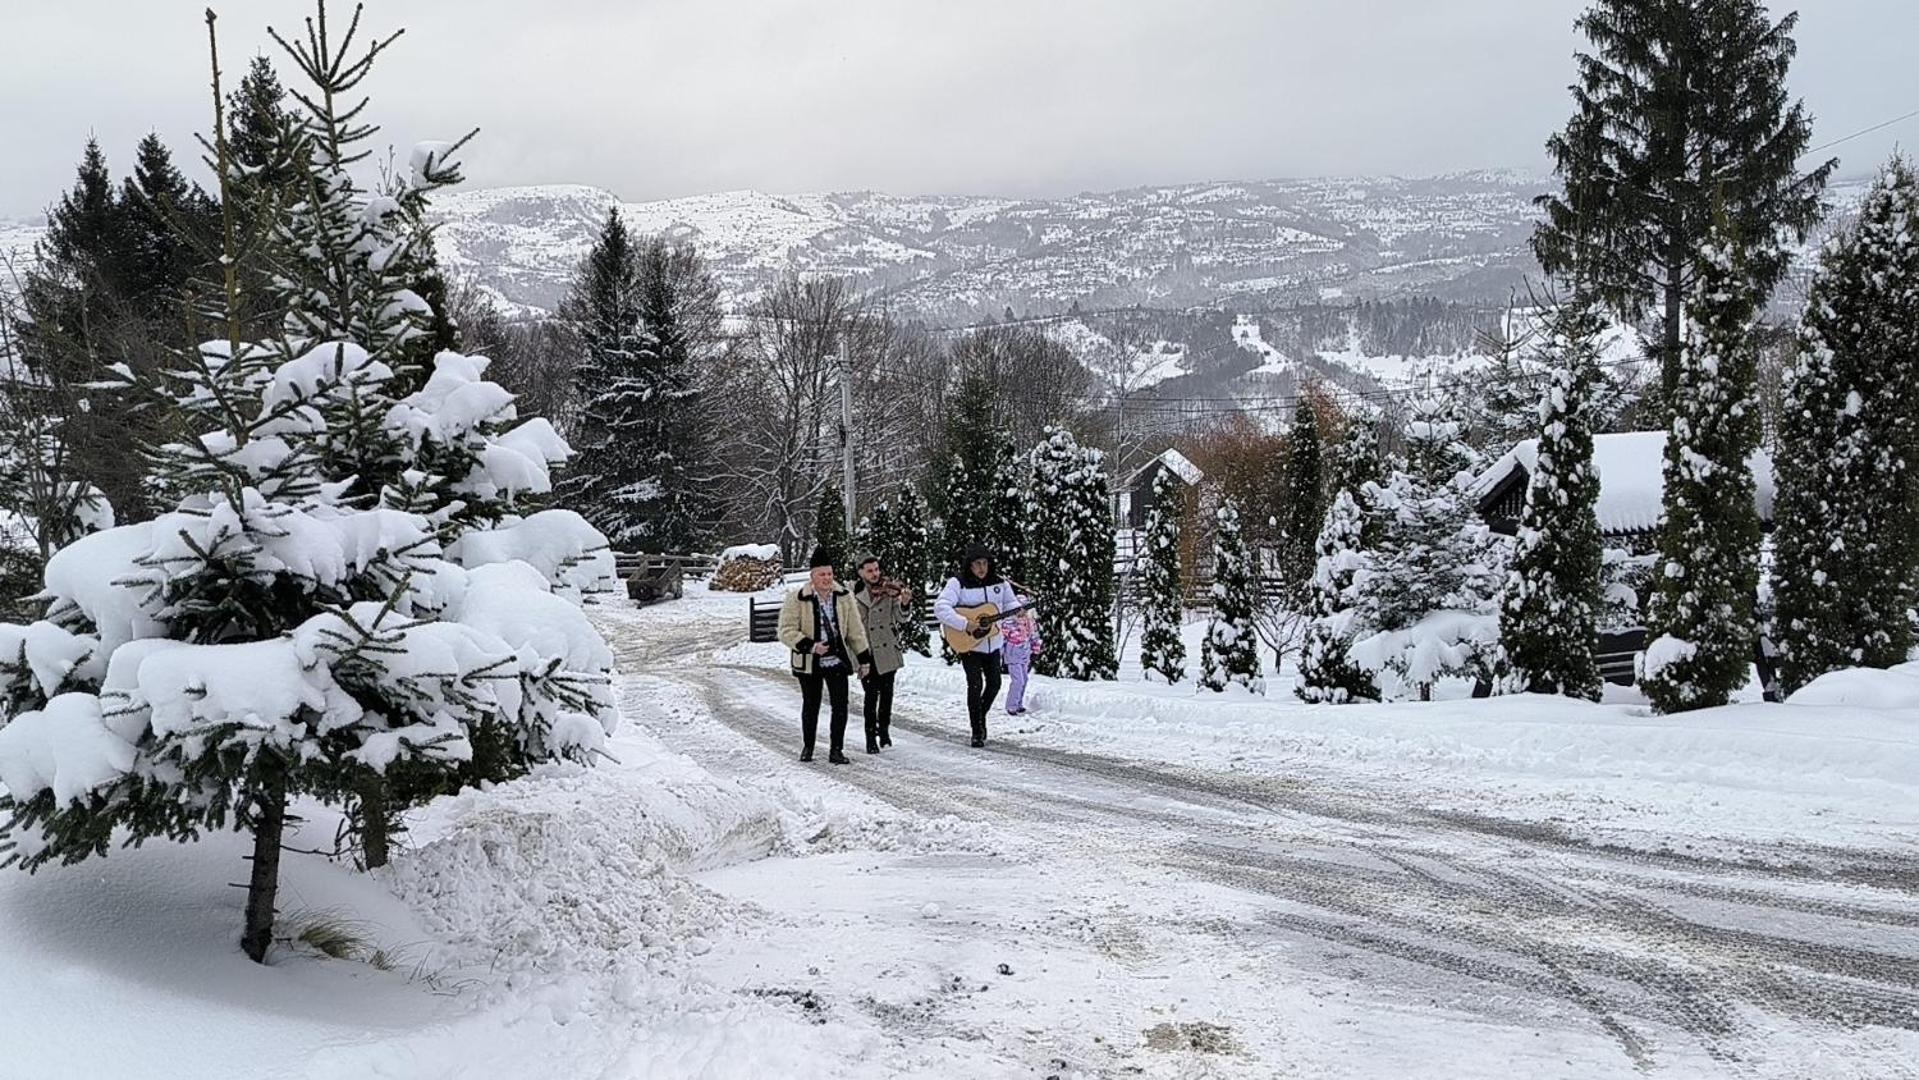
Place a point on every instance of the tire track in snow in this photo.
(1604, 929)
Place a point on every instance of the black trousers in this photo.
(982, 686)
(834, 683)
(879, 706)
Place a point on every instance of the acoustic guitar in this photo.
(978, 617)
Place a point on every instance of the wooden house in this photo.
(1632, 490)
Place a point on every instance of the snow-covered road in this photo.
(1231, 921)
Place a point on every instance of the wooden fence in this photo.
(692, 564)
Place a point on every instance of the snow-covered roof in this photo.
(1181, 466)
(1632, 483)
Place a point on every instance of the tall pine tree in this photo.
(677, 435)
(1549, 613)
(1161, 590)
(968, 484)
(612, 482)
(1230, 652)
(167, 224)
(1009, 509)
(1360, 462)
(1847, 539)
(1681, 115)
(274, 637)
(829, 529)
(1700, 622)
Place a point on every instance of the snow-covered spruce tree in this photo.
(1550, 611)
(1162, 592)
(1429, 591)
(1700, 623)
(1326, 673)
(1009, 509)
(1085, 642)
(1070, 555)
(1230, 651)
(421, 430)
(1845, 546)
(968, 491)
(272, 637)
(1304, 509)
(829, 528)
(612, 481)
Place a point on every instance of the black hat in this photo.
(977, 552)
(821, 557)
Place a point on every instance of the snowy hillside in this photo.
(957, 257)
(16, 247)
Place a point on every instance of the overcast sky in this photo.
(658, 98)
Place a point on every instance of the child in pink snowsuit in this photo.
(1021, 636)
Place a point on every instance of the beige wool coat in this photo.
(882, 616)
(799, 628)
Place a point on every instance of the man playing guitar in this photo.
(967, 607)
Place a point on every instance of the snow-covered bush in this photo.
(1230, 651)
(1425, 602)
(1326, 672)
(1162, 594)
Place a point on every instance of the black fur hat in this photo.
(821, 557)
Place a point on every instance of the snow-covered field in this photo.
(1131, 880)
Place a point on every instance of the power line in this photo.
(1861, 132)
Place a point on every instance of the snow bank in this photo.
(1753, 769)
(1865, 688)
(582, 870)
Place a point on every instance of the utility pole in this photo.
(847, 472)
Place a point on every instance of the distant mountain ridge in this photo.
(1250, 244)
(1235, 291)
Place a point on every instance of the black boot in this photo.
(886, 734)
(806, 754)
(838, 758)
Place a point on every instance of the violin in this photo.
(888, 589)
